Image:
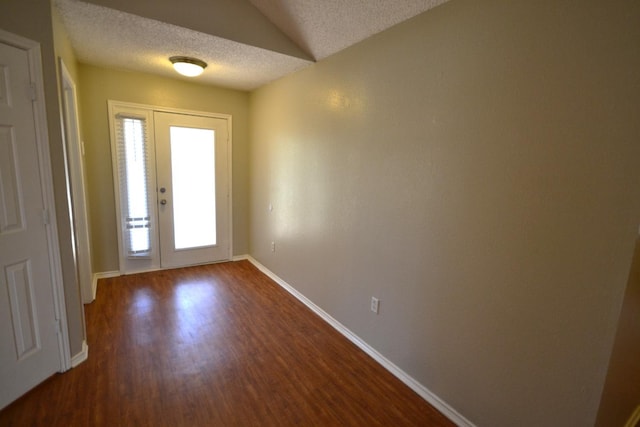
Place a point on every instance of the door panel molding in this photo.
(20, 275)
(24, 316)
(11, 206)
(46, 183)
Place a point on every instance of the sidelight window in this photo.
(133, 171)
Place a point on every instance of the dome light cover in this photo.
(186, 66)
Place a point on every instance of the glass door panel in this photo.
(193, 179)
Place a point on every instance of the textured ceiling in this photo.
(324, 27)
(247, 43)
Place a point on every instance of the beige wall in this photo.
(99, 85)
(476, 168)
(32, 19)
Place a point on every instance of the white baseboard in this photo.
(239, 257)
(80, 357)
(98, 276)
(425, 393)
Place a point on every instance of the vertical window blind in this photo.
(133, 171)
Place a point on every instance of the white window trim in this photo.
(152, 261)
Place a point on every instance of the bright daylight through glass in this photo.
(137, 216)
(194, 187)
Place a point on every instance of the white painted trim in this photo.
(171, 110)
(82, 356)
(153, 260)
(46, 182)
(412, 383)
(241, 258)
(75, 179)
(230, 182)
(98, 276)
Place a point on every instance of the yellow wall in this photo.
(62, 45)
(73, 299)
(475, 168)
(97, 85)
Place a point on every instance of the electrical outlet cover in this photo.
(375, 305)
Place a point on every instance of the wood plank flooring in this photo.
(216, 345)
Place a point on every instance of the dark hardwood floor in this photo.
(216, 345)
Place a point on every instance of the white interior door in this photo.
(192, 173)
(29, 346)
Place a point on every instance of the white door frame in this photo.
(170, 257)
(74, 157)
(112, 104)
(32, 49)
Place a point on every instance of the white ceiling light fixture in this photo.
(190, 67)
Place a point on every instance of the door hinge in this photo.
(33, 91)
(45, 217)
(57, 327)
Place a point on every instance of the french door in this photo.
(171, 173)
(193, 195)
